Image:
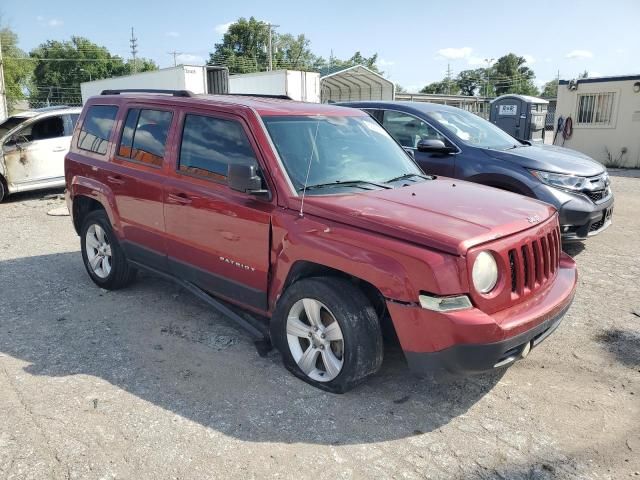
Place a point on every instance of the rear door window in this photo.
(210, 144)
(144, 136)
(96, 128)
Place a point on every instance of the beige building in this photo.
(606, 118)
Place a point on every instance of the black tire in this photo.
(121, 272)
(363, 348)
(3, 189)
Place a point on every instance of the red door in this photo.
(217, 238)
(136, 176)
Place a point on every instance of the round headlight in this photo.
(485, 272)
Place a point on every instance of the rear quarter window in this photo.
(96, 128)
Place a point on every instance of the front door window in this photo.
(408, 130)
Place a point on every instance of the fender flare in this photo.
(80, 186)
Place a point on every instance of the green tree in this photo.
(244, 47)
(400, 88)
(292, 52)
(17, 68)
(439, 88)
(472, 82)
(357, 59)
(60, 67)
(550, 89)
(510, 75)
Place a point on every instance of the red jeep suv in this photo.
(315, 222)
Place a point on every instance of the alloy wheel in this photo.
(315, 340)
(98, 251)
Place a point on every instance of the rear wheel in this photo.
(328, 333)
(103, 257)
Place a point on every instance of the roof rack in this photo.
(260, 95)
(175, 93)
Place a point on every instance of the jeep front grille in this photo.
(535, 263)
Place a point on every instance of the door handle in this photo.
(181, 198)
(115, 179)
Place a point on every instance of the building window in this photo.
(595, 108)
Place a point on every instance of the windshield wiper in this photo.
(409, 175)
(344, 183)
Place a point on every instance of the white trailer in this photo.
(297, 85)
(197, 79)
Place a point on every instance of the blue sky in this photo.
(415, 40)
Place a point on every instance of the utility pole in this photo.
(489, 62)
(448, 79)
(270, 48)
(175, 55)
(3, 91)
(133, 41)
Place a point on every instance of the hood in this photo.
(445, 214)
(551, 159)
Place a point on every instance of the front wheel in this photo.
(328, 333)
(103, 257)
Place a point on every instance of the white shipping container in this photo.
(182, 77)
(301, 86)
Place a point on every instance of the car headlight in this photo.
(485, 272)
(570, 182)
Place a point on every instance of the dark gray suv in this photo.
(452, 142)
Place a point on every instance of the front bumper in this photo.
(580, 218)
(469, 341)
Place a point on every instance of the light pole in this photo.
(86, 71)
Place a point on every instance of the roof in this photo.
(406, 106)
(354, 83)
(617, 78)
(526, 98)
(264, 106)
(47, 110)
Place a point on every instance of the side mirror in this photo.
(433, 146)
(410, 152)
(243, 178)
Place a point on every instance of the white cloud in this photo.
(477, 61)
(385, 63)
(189, 59)
(530, 59)
(455, 53)
(52, 22)
(579, 54)
(222, 28)
(173, 34)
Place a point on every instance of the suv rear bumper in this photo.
(470, 341)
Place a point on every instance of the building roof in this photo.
(616, 78)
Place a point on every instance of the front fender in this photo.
(399, 270)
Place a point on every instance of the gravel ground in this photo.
(148, 382)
